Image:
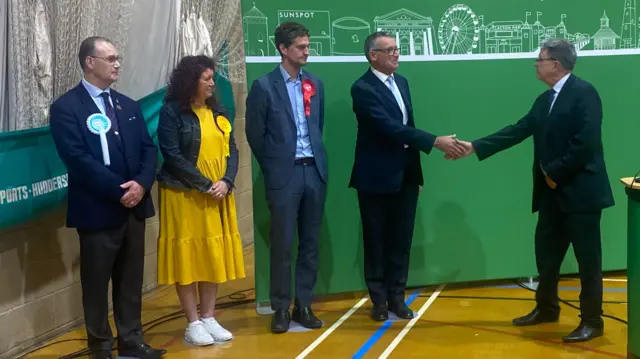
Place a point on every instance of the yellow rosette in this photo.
(225, 126)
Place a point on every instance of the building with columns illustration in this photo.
(413, 32)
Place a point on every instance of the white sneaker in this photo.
(219, 334)
(197, 334)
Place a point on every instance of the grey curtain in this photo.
(39, 41)
(29, 65)
(4, 56)
(41, 38)
(152, 48)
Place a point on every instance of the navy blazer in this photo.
(271, 128)
(94, 189)
(567, 143)
(381, 158)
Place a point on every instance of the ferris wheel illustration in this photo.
(459, 30)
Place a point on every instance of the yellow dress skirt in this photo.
(199, 239)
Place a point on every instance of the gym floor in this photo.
(452, 321)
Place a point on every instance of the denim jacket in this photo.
(179, 141)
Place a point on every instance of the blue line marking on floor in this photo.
(380, 332)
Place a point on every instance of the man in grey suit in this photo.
(284, 122)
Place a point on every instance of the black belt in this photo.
(305, 161)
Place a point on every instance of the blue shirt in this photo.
(95, 92)
(294, 88)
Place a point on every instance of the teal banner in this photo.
(34, 179)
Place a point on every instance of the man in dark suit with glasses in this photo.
(387, 173)
(570, 184)
(109, 197)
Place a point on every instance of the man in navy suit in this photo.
(284, 122)
(108, 202)
(387, 173)
(570, 184)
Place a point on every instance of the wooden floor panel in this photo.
(465, 321)
(360, 337)
(456, 328)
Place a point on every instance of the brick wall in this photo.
(244, 182)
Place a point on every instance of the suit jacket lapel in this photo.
(548, 117)
(560, 97)
(404, 91)
(88, 102)
(382, 88)
(281, 90)
(119, 116)
(86, 99)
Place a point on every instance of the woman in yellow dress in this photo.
(199, 244)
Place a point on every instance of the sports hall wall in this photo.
(471, 71)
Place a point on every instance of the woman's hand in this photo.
(219, 190)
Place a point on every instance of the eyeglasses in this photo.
(388, 50)
(110, 59)
(545, 59)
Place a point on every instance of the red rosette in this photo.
(308, 90)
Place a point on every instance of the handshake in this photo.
(452, 147)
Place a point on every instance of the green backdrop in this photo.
(474, 220)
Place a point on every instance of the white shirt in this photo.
(95, 92)
(557, 87)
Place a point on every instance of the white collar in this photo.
(380, 75)
(558, 86)
(93, 90)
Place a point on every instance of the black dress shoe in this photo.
(141, 351)
(584, 332)
(536, 317)
(280, 321)
(401, 310)
(306, 318)
(379, 312)
(102, 355)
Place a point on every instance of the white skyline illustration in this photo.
(460, 33)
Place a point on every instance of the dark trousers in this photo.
(300, 203)
(116, 254)
(387, 228)
(554, 232)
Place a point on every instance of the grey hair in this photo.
(370, 42)
(88, 48)
(562, 51)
